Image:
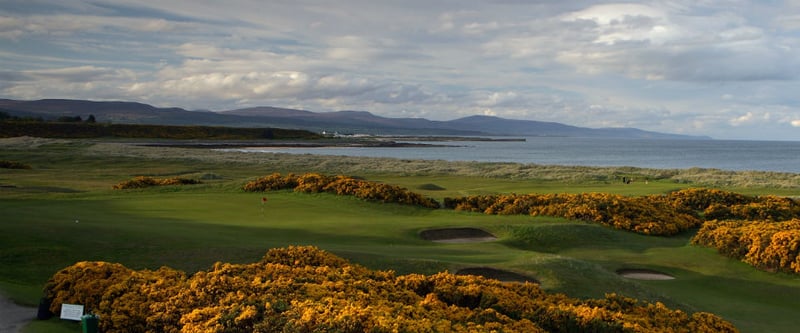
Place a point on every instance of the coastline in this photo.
(338, 142)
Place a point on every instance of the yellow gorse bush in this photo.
(772, 246)
(304, 289)
(639, 214)
(144, 181)
(340, 185)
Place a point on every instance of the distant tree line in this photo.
(5, 164)
(5, 116)
(76, 119)
(75, 127)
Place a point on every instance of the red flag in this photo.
(264, 200)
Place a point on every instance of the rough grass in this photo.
(513, 171)
(189, 228)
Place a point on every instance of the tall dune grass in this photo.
(357, 165)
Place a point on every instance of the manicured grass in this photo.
(63, 211)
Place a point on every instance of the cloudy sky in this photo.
(728, 69)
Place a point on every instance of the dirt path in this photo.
(13, 317)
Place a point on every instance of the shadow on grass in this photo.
(557, 237)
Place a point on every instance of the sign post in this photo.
(71, 311)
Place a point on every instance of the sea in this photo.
(778, 156)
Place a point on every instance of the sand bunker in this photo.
(643, 274)
(457, 235)
(496, 274)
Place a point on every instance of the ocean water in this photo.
(780, 156)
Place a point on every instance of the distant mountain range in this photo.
(345, 122)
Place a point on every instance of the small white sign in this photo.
(71, 311)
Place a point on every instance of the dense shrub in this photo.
(711, 204)
(699, 199)
(127, 303)
(84, 283)
(340, 185)
(272, 182)
(304, 289)
(13, 165)
(638, 214)
(771, 208)
(143, 181)
(772, 246)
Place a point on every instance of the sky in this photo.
(728, 69)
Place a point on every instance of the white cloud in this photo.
(788, 22)
(79, 74)
(501, 99)
(349, 48)
(795, 123)
(156, 25)
(625, 22)
(741, 120)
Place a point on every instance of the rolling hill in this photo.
(346, 122)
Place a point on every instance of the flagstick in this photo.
(263, 202)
